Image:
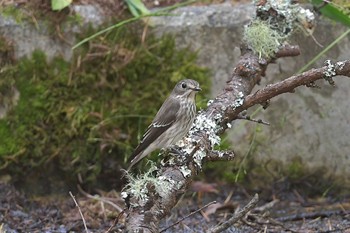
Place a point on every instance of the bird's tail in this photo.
(135, 160)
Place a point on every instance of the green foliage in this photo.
(83, 114)
(12, 11)
(296, 168)
(137, 8)
(338, 10)
(58, 5)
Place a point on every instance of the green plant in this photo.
(58, 5)
(137, 8)
(336, 10)
(79, 116)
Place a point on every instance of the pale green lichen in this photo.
(199, 156)
(261, 38)
(138, 186)
(201, 124)
(340, 65)
(329, 73)
(239, 100)
(185, 171)
(269, 31)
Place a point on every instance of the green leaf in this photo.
(333, 12)
(58, 5)
(137, 8)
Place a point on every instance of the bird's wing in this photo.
(165, 117)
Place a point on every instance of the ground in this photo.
(282, 212)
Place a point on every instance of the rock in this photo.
(27, 37)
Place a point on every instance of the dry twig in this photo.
(81, 213)
(239, 215)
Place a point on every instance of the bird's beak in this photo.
(196, 88)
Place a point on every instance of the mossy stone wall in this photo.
(80, 117)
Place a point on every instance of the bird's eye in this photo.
(184, 85)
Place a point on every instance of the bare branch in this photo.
(288, 85)
(80, 212)
(239, 215)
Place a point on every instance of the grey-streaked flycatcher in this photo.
(172, 122)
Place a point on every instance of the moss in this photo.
(13, 12)
(295, 169)
(84, 114)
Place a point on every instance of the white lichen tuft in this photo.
(240, 94)
(137, 186)
(306, 20)
(340, 65)
(229, 125)
(330, 71)
(124, 195)
(185, 171)
(210, 127)
(239, 100)
(209, 102)
(165, 185)
(198, 157)
(201, 124)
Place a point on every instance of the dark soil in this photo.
(289, 212)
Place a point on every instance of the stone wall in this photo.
(310, 124)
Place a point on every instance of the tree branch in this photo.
(288, 85)
(154, 197)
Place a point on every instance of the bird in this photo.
(172, 121)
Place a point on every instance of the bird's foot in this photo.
(176, 150)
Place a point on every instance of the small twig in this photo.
(267, 206)
(215, 155)
(189, 215)
(288, 51)
(277, 223)
(261, 221)
(81, 213)
(312, 215)
(116, 220)
(248, 118)
(239, 215)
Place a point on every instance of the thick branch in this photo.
(197, 147)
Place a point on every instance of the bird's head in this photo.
(186, 88)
